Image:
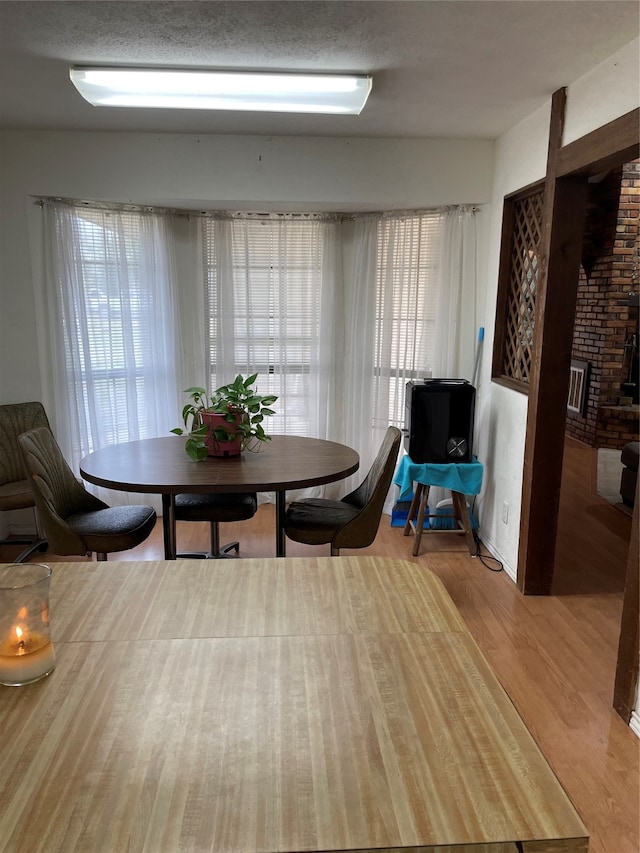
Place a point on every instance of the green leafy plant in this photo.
(238, 404)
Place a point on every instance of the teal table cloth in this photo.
(463, 477)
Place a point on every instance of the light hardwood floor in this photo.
(555, 656)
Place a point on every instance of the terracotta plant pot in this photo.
(216, 442)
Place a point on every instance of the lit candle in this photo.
(25, 656)
(26, 652)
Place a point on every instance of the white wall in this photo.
(189, 171)
(607, 92)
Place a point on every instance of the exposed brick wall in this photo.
(605, 320)
(616, 426)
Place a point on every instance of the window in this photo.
(578, 387)
(112, 325)
(517, 286)
(334, 315)
(270, 306)
(266, 281)
(407, 269)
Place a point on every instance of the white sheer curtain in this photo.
(112, 338)
(358, 377)
(334, 315)
(455, 330)
(407, 299)
(271, 305)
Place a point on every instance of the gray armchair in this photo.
(75, 521)
(15, 492)
(353, 521)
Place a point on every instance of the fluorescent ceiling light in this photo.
(222, 90)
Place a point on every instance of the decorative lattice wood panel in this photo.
(522, 286)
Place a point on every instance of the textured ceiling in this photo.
(440, 69)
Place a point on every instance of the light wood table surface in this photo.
(327, 704)
(161, 466)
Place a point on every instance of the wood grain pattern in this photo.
(255, 597)
(626, 683)
(269, 705)
(561, 678)
(604, 148)
(160, 465)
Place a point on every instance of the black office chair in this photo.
(74, 520)
(353, 521)
(215, 508)
(15, 492)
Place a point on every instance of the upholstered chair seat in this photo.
(353, 521)
(75, 521)
(317, 519)
(115, 528)
(215, 508)
(16, 496)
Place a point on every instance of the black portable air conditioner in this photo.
(439, 417)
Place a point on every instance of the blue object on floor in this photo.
(400, 514)
(442, 518)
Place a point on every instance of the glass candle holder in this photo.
(26, 651)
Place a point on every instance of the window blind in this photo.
(263, 306)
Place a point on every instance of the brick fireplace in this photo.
(605, 339)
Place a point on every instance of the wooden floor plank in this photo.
(555, 656)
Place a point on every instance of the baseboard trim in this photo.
(488, 544)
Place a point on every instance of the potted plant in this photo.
(226, 422)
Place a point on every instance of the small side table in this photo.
(461, 478)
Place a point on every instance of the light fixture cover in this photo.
(164, 88)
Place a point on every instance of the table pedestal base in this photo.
(418, 512)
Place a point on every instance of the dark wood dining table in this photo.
(161, 466)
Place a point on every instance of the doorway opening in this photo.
(605, 334)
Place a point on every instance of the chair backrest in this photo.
(16, 418)
(370, 496)
(56, 491)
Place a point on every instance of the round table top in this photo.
(161, 466)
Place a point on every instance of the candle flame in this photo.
(21, 638)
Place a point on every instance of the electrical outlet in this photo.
(505, 512)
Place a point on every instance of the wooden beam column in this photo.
(629, 645)
(559, 263)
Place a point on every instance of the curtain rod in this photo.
(241, 214)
